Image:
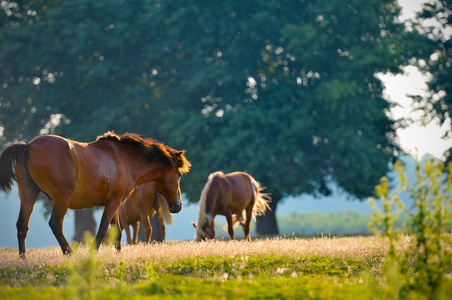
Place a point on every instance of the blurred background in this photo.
(315, 99)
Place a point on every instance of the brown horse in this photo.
(82, 175)
(228, 195)
(144, 202)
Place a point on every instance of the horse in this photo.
(144, 202)
(80, 175)
(228, 195)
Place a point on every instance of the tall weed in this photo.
(85, 269)
(421, 270)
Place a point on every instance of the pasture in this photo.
(315, 268)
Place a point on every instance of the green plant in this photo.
(84, 269)
(429, 221)
(383, 219)
(421, 269)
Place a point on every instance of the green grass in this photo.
(316, 268)
(175, 287)
(223, 277)
(236, 268)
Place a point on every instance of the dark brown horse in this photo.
(82, 175)
(229, 195)
(144, 202)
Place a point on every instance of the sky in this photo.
(416, 139)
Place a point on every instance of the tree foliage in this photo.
(438, 103)
(306, 105)
(285, 90)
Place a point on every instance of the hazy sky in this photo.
(426, 139)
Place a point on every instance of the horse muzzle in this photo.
(174, 208)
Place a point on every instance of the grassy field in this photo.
(391, 265)
(316, 268)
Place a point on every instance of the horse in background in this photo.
(80, 175)
(228, 195)
(144, 202)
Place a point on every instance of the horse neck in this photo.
(148, 172)
(210, 207)
(206, 211)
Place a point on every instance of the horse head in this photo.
(168, 184)
(206, 230)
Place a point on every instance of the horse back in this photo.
(231, 192)
(83, 174)
(51, 163)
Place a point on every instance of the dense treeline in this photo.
(285, 90)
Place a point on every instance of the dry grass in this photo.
(344, 247)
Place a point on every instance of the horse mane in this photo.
(150, 149)
(203, 216)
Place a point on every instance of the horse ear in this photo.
(184, 164)
(194, 224)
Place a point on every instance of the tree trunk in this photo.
(84, 221)
(141, 236)
(267, 225)
(156, 234)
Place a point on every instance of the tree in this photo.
(81, 62)
(302, 106)
(20, 117)
(56, 66)
(285, 90)
(438, 103)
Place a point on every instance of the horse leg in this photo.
(119, 235)
(22, 226)
(147, 227)
(56, 224)
(127, 230)
(247, 225)
(135, 228)
(28, 193)
(107, 216)
(230, 225)
(162, 228)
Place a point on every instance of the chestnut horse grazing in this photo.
(82, 175)
(144, 202)
(227, 195)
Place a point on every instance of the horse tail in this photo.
(15, 153)
(235, 223)
(262, 200)
(163, 211)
